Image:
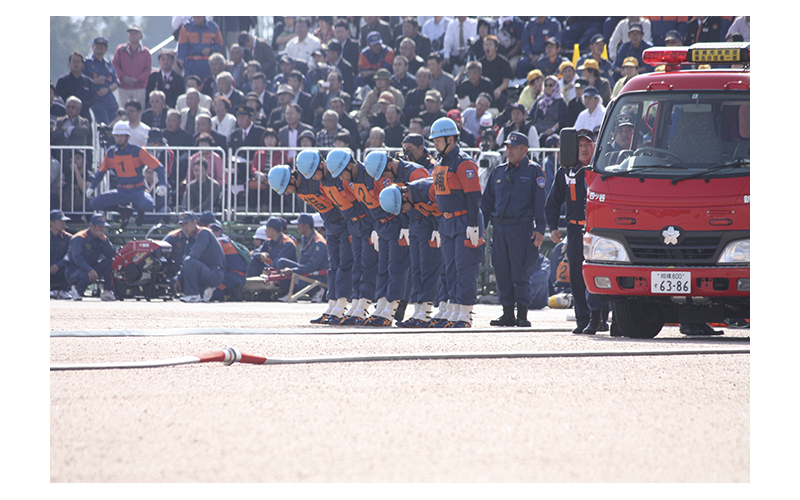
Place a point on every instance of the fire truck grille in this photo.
(691, 250)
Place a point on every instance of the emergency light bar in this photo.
(737, 52)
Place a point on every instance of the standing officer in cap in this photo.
(90, 257)
(204, 262)
(104, 82)
(128, 162)
(340, 251)
(514, 200)
(197, 40)
(59, 248)
(458, 196)
(570, 187)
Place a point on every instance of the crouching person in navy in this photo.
(232, 286)
(313, 256)
(204, 262)
(59, 248)
(514, 201)
(90, 258)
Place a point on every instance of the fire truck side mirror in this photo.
(569, 147)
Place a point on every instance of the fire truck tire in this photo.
(638, 320)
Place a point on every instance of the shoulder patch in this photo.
(540, 181)
(469, 173)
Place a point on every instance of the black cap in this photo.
(58, 215)
(155, 135)
(585, 132)
(414, 139)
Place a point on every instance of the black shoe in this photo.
(140, 217)
(522, 316)
(698, 329)
(603, 327)
(579, 328)
(507, 319)
(594, 323)
(400, 313)
(125, 218)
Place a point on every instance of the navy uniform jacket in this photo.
(59, 247)
(313, 254)
(206, 249)
(85, 251)
(516, 194)
(571, 190)
(180, 242)
(235, 265)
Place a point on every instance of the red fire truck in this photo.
(667, 236)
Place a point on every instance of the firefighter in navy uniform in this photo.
(570, 187)
(59, 248)
(458, 196)
(514, 201)
(90, 256)
(414, 148)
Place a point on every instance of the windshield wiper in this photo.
(636, 170)
(738, 163)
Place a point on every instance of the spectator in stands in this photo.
(442, 80)
(435, 29)
(283, 97)
(76, 183)
(203, 193)
(90, 256)
(75, 83)
(592, 117)
(284, 31)
(132, 62)
(139, 131)
(550, 62)
(591, 73)
(580, 30)
(394, 131)
(475, 83)
(318, 71)
(534, 37)
(156, 115)
(550, 110)
(216, 64)
(740, 25)
(472, 116)
(330, 128)
(57, 108)
(324, 30)
(237, 66)
(661, 25)
(264, 160)
(56, 183)
(630, 68)
(306, 139)
(567, 80)
(351, 50)
(374, 24)
(373, 57)
(72, 129)
(189, 113)
(417, 126)
(258, 86)
(203, 124)
(174, 134)
(415, 61)
(260, 51)
(596, 47)
(621, 36)
(498, 70)
(223, 122)
(411, 30)
(383, 79)
(342, 66)
(464, 136)
(509, 34)
(415, 99)
(533, 89)
(166, 80)
(376, 138)
(633, 48)
(289, 134)
(167, 158)
(455, 44)
(433, 108)
(300, 97)
(246, 133)
(575, 106)
(378, 118)
(104, 80)
(346, 122)
(227, 90)
(401, 80)
(706, 29)
(59, 248)
(197, 40)
(193, 82)
(321, 101)
(304, 43)
(519, 124)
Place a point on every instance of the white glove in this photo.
(473, 235)
(90, 193)
(161, 190)
(404, 234)
(435, 236)
(374, 239)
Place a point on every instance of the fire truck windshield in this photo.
(677, 133)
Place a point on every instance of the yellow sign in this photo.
(716, 55)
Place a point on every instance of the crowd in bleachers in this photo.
(360, 82)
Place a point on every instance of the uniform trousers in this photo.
(426, 262)
(393, 262)
(513, 254)
(340, 259)
(575, 258)
(111, 200)
(462, 263)
(365, 259)
(79, 278)
(197, 276)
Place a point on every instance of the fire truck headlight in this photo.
(735, 252)
(599, 249)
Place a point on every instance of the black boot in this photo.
(522, 315)
(594, 323)
(603, 320)
(400, 313)
(507, 319)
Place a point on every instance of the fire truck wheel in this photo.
(638, 320)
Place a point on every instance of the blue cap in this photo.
(206, 218)
(186, 217)
(391, 199)
(337, 160)
(275, 223)
(374, 38)
(279, 177)
(100, 39)
(415, 139)
(516, 139)
(99, 220)
(58, 215)
(591, 91)
(306, 219)
(215, 226)
(307, 162)
(375, 163)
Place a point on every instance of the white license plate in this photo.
(674, 283)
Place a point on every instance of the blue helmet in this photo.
(337, 160)
(391, 199)
(443, 127)
(279, 176)
(375, 163)
(307, 162)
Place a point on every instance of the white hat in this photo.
(122, 128)
(261, 233)
(486, 120)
